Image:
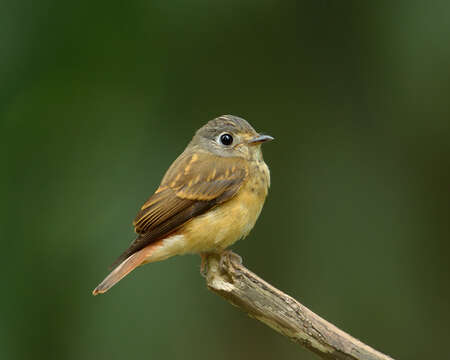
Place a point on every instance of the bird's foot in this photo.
(229, 256)
(204, 264)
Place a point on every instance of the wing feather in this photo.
(193, 184)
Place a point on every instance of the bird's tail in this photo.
(124, 268)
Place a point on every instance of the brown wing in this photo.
(193, 184)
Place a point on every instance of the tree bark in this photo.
(228, 278)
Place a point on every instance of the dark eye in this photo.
(226, 139)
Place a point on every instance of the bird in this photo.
(210, 197)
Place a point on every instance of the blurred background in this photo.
(98, 98)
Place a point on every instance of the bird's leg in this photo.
(229, 256)
(204, 264)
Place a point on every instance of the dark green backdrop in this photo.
(97, 99)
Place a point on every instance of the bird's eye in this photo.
(226, 139)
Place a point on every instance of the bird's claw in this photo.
(204, 265)
(228, 257)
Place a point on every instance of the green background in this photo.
(98, 98)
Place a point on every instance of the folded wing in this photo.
(193, 184)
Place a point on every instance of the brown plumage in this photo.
(180, 198)
(205, 177)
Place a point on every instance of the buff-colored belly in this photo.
(226, 223)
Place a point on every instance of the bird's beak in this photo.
(260, 139)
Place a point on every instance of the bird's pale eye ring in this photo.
(226, 139)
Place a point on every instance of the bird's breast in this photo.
(228, 222)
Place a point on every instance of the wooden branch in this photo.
(242, 288)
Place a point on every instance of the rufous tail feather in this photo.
(123, 269)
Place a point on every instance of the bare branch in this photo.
(282, 313)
